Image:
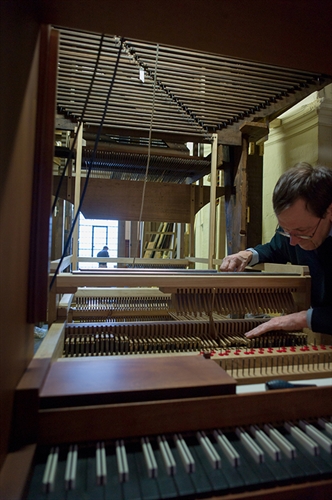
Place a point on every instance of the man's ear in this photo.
(329, 212)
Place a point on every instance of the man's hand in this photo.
(236, 261)
(290, 322)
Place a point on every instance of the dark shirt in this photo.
(103, 253)
(279, 250)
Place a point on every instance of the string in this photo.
(91, 161)
(80, 123)
(149, 154)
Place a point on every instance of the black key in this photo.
(113, 485)
(182, 479)
(247, 473)
(81, 480)
(131, 489)
(309, 469)
(277, 468)
(35, 487)
(93, 490)
(315, 462)
(261, 471)
(199, 478)
(231, 473)
(216, 477)
(148, 486)
(165, 482)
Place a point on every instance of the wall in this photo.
(304, 133)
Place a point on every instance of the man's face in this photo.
(298, 221)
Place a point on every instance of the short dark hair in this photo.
(312, 184)
(105, 248)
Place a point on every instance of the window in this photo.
(93, 235)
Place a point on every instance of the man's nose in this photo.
(294, 240)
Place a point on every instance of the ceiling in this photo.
(142, 89)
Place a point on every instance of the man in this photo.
(302, 202)
(103, 253)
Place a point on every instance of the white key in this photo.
(184, 452)
(122, 462)
(231, 454)
(149, 458)
(266, 443)
(209, 450)
(255, 451)
(302, 438)
(316, 435)
(50, 470)
(167, 456)
(325, 424)
(276, 436)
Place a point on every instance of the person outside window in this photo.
(103, 253)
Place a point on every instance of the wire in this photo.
(80, 123)
(91, 161)
(149, 153)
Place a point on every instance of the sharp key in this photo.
(316, 435)
(101, 472)
(281, 441)
(186, 457)
(149, 458)
(71, 468)
(231, 454)
(209, 450)
(302, 438)
(122, 462)
(250, 445)
(50, 470)
(167, 456)
(325, 424)
(266, 443)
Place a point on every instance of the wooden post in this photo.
(42, 179)
(192, 222)
(213, 185)
(78, 165)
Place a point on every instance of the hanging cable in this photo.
(80, 123)
(149, 154)
(91, 161)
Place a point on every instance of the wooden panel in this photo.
(66, 282)
(122, 379)
(121, 200)
(18, 83)
(152, 417)
(27, 401)
(254, 130)
(15, 473)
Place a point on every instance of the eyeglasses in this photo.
(301, 236)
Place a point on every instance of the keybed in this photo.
(187, 465)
